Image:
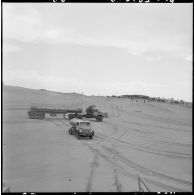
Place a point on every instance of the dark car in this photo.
(81, 128)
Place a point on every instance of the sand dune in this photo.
(151, 141)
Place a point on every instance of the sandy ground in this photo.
(151, 141)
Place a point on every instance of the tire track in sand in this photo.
(117, 156)
(114, 157)
(116, 181)
(147, 149)
(157, 152)
(144, 170)
(132, 175)
(94, 166)
(110, 155)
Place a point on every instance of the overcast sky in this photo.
(101, 49)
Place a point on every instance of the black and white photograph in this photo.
(97, 97)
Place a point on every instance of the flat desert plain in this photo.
(140, 145)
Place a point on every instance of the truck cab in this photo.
(93, 112)
(97, 114)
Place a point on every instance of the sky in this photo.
(99, 49)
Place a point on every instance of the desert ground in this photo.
(148, 142)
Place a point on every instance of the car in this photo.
(81, 128)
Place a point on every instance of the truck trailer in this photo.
(39, 113)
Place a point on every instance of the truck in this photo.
(81, 128)
(93, 112)
(39, 113)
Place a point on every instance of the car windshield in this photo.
(84, 125)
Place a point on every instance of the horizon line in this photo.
(74, 92)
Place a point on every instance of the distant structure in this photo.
(150, 99)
